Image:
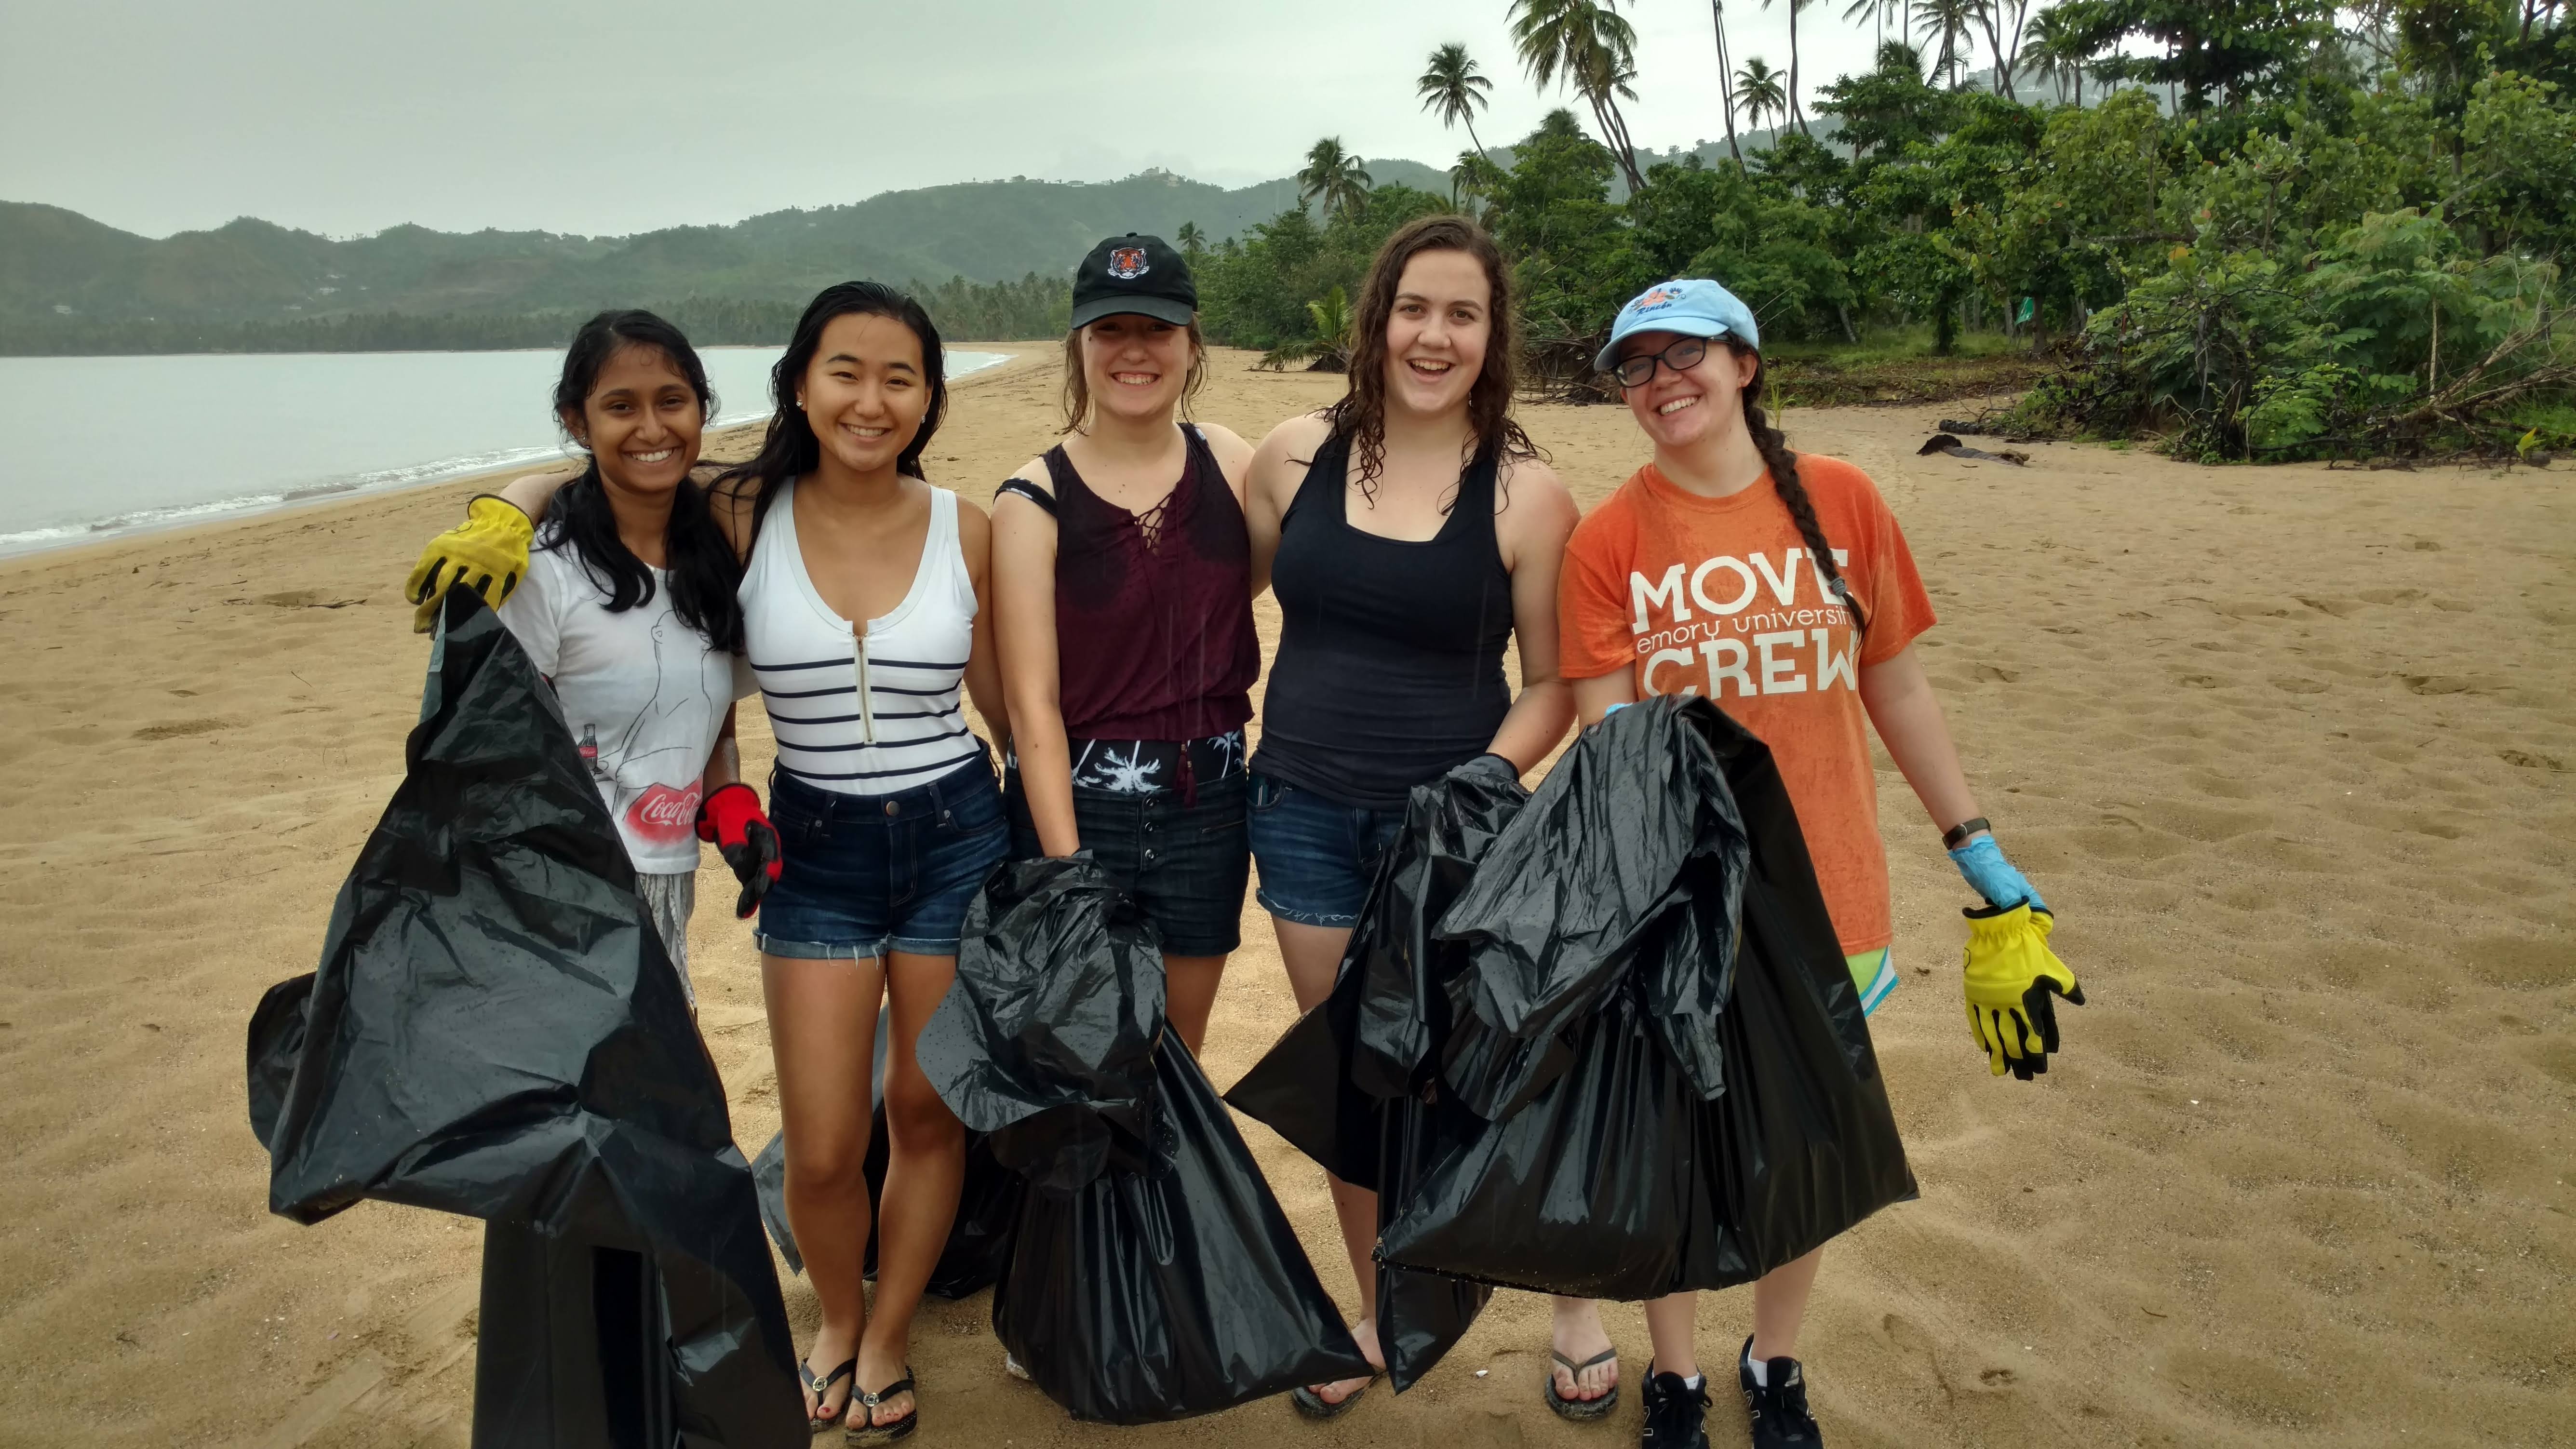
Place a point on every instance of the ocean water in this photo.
(103, 446)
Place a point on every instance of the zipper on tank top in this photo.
(859, 669)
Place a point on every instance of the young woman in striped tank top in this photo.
(863, 607)
(863, 600)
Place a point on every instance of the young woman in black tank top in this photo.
(1411, 532)
(1124, 604)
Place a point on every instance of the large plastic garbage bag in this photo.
(1664, 1122)
(979, 1241)
(1046, 1041)
(1351, 1084)
(1152, 1275)
(495, 1030)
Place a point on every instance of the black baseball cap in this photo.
(1134, 273)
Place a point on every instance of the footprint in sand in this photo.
(182, 729)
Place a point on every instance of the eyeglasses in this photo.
(1682, 356)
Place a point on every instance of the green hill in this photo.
(64, 277)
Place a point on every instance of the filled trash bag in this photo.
(979, 1241)
(1173, 1291)
(1152, 1275)
(1669, 1124)
(495, 1030)
(1351, 1084)
(1046, 1041)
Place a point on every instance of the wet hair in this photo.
(1077, 386)
(699, 563)
(789, 449)
(1361, 414)
(1793, 493)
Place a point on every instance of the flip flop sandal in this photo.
(822, 1388)
(1580, 1411)
(873, 1432)
(1315, 1406)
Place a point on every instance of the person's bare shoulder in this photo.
(1530, 484)
(1298, 437)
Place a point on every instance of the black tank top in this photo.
(1390, 664)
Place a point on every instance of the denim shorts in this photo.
(1316, 857)
(868, 874)
(1186, 864)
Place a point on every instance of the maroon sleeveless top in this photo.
(1153, 612)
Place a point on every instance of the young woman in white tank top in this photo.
(864, 605)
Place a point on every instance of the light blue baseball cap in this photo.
(1688, 306)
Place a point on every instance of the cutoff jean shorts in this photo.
(1316, 856)
(869, 874)
(1184, 862)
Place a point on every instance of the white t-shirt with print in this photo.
(644, 694)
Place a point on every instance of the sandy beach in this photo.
(2290, 749)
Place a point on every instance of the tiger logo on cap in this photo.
(1128, 263)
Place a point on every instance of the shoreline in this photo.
(180, 526)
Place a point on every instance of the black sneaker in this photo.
(1674, 1412)
(1778, 1404)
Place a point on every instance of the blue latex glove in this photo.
(1990, 875)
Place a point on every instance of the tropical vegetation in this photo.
(2252, 229)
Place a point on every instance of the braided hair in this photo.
(1793, 493)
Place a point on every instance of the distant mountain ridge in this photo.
(57, 265)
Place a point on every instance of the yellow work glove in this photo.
(2011, 975)
(487, 553)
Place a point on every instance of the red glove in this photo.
(731, 821)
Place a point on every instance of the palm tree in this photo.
(1334, 176)
(1472, 179)
(1589, 47)
(1192, 241)
(1946, 22)
(2005, 22)
(1452, 87)
(2059, 52)
(1879, 12)
(1758, 91)
(1725, 79)
(1325, 349)
(1794, 112)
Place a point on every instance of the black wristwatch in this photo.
(1952, 837)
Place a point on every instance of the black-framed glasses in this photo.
(1682, 356)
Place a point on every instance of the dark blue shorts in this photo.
(868, 874)
(1186, 864)
(1316, 857)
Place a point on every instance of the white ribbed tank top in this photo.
(862, 709)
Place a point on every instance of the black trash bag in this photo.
(1179, 1290)
(979, 1241)
(1621, 1178)
(1632, 839)
(1350, 1084)
(1152, 1275)
(1046, 1041)
(495, 1030)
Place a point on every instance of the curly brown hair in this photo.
(1361, 414)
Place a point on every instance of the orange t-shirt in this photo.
(1717, 596)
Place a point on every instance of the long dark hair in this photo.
(702, 567)
(1361, 414)
(1793, 493)
(790, 449)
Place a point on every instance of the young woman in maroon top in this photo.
(1123, 604)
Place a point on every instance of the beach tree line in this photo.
(1033, 307)
(2256, 229)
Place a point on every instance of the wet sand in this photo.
(2289, 747)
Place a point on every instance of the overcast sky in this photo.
(613, 116)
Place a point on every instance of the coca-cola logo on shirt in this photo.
(663, 815)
